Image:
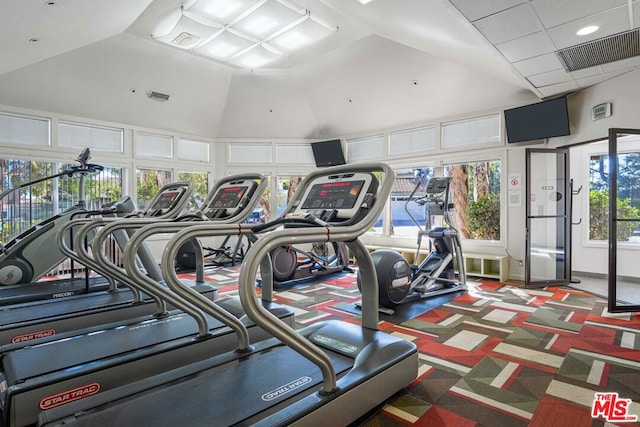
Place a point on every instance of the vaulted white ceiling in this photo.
(392, 63)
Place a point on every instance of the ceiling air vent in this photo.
(158, 96)
(601, 51)
(185, 40)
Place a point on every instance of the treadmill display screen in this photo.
(333, 195)
(228, 198)
(167, 199)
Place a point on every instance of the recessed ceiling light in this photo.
(51, 2)
(364, 1)
(587, 30)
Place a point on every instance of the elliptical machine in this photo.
(399, 282)
(291, 264)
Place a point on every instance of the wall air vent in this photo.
(158, 96)
(601, 51)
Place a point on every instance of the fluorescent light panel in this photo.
(266, 20)
(255, 58)
(248, 33)
(224, 46)
(221, 11)
(304, 34)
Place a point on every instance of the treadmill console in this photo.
(228, 199)
(336, 197)
(165, 201)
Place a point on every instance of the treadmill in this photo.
(122, 352)
(329, 373)
(20, 323)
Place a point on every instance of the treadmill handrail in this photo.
(242, 215)
(83, 257)
(106, 269)
(230, 225)
(146, 256)
(347, 233)
(271, 239)
(74, 255)
(154, 227)
(184, 292)
(114, 227)
(149, 285)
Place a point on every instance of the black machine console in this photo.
(230, 199)
(337, 198)
(166, 201)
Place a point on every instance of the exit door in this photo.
(624, 269)
(548, 222)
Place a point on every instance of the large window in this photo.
(628, 197)
(35, 203)
(286, 187)
(148, 184)
(201, 182)
(405, 213)
(476, 197)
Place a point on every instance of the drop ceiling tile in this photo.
(539, 64)
(509, 24)
(476, 9)
(526, 47)
(587, 72)
(611, 22)
(593, 80)
(557, 12)
(624, 64)
(558, 89)
(550, 78)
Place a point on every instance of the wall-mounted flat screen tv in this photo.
(545, 119)
(328, 153)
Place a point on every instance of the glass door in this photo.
(548, 245)
(624, 220)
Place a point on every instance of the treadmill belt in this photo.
(27, 363)
(62, 307)
(223, 395)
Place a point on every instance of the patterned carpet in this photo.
(498, 355)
